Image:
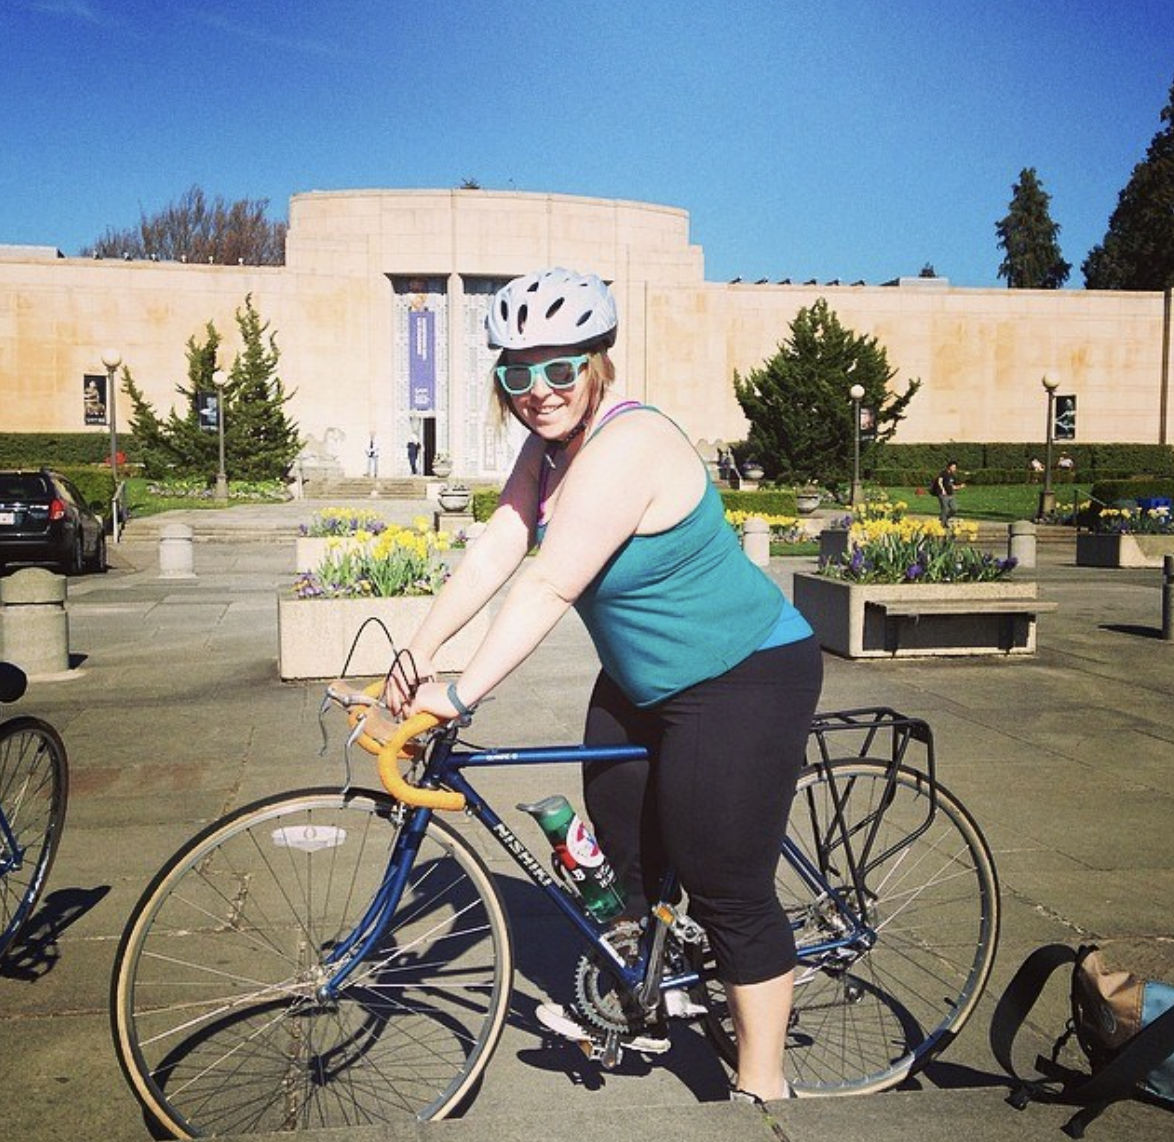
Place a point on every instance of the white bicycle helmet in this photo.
(552, 307)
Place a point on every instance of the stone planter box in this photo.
(866, 620)
(310, 550)
(1102, 550)
(314, 636)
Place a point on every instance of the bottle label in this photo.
(582, 845)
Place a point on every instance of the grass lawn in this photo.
(992, 501)
(141, 501)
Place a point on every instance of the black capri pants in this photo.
(712, 800)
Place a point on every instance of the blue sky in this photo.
(848, 139)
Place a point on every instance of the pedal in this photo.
(612, 1052)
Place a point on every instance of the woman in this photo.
(704, 660)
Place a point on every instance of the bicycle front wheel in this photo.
(217, 1009)
(34, 788)
(864, 1017)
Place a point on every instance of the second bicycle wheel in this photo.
(216, 1009)
(864, 1019)
(34, 786)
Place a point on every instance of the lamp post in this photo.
(1047, 497)
(220, 379)
(856, 392)
(111, 358)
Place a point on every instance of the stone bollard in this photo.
(756, 540)
(175, 552)
(1021, 542)
(34, 626)
(1168, 598)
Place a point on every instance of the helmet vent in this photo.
(585, 318)
(558, 304)
(522, 311)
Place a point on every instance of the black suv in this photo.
(44, 519)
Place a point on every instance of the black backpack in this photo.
(1124, 1025)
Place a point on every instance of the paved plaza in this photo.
(174, 714)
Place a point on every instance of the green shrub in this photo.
(95, 484)
(59, 449)
(1109, 491)
(484, 503)
(778, 501)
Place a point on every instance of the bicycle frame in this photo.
(445, 767)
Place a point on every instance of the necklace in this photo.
(556, 446)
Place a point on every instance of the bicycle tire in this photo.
(34, 792)
(215, 1018)
(870, 1024)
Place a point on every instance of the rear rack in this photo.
(878, 734)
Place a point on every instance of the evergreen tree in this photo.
(196, 450)
(1027, 237)
(1138, 249)
(260, 440)
(152, 447)
(798, 405)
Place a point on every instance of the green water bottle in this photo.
(578, 852)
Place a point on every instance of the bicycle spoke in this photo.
(223, 1021)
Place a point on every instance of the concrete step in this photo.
(356, 487)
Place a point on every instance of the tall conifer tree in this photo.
(1028, 238)
(1138, 250)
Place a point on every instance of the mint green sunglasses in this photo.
(558, 373)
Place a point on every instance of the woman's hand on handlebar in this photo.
(432, 698)
(408, 673)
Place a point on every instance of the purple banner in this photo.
(422, 359)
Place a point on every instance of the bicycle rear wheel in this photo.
(34, 789)
(867, 1018)
(216, 1013)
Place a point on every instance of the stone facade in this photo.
(362, 265)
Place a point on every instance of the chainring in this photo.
(601, 999)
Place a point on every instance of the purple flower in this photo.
(914, 571)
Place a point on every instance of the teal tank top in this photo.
(685, 605)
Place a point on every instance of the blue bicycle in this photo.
(34, 787)
(335, 957)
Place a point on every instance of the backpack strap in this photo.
(1013, 1008)
(1120, 1078)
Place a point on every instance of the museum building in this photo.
(379, 314)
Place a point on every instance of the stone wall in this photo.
(338, 310)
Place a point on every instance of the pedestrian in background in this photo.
(945, 487)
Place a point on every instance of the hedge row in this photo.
(923, 477)
(1110, 491)
(1093, 460)
(773, 501)
(59, 449)
(780, 501)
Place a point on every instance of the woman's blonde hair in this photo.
(601, 372)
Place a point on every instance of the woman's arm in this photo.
(490, 561)
(625, 476)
